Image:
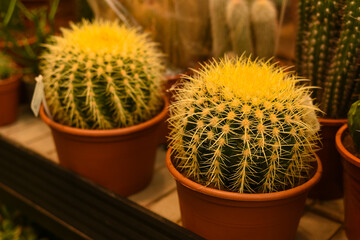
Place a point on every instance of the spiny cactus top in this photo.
(6, 66)
(102, 75)
(243, 126)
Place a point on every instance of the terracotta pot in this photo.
(121, 160)
(9, 99)
(351, 166)
(330, 185)
(216, 214)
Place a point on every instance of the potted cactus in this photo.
(9, 90)
(102, 86)
(328, 47)
(348, 145)
(242, 150)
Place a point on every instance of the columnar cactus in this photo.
(102, 75)
(238, 20)
(354, 123)
(264, 23)
(219, 27)
(243, 126)
(328, 51)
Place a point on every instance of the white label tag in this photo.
(38, 95)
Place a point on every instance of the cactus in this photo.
(329, 52)
(243, 126)
(102, 75)
(219, 29)
(238, 20)
(264, 23)
(6, 66)
(354, 123)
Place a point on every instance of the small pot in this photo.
(216, 214)
(330, 185)
(351, 166)
(9, 99)
(121, 160)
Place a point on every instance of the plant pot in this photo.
(9, 99)
(216, 214)
(121, 160)
(330, 185)
(351, 166)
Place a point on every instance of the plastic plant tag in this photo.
(38, 97)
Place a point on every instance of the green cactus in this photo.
(238, 20)
(219, 28)
(6, 66)
(328, 52)
(354, 123)
(265, 27)
(243, 126)
(102, 75)
(340, 82)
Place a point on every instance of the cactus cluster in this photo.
(354, 123)
(243, 126)
(250, 27)
(6, 66)
(328, 50)
(102, 75)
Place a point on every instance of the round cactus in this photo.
(243, 126)
(102, 75)
(354, 123)
(6, 66)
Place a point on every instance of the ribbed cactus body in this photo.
(264, 25)
(238, 20)
(243, 126)
(327, 52)
(354, 123)
(102, 75)
(340, 81)
(219, 28)
(305, 15)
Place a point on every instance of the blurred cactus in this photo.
(102, 75)
(219, 27)
(328, 52)
(6, 66)
(264, 23)
(354, 123)
(238, 20)
(243, 126)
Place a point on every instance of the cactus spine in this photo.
(238, 16)
(264, 22)
(354, 123)
(102, 75)
(219, 27)
(243, 126)
(329, 52)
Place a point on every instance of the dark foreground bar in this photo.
(72, 207)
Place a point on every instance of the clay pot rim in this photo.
(332, 121)
(342, 150)
(106, 132)
(255, 197)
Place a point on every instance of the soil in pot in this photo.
(351, 163)
(121, 160)
(330, 185)
(215, 214)
(9, 99)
